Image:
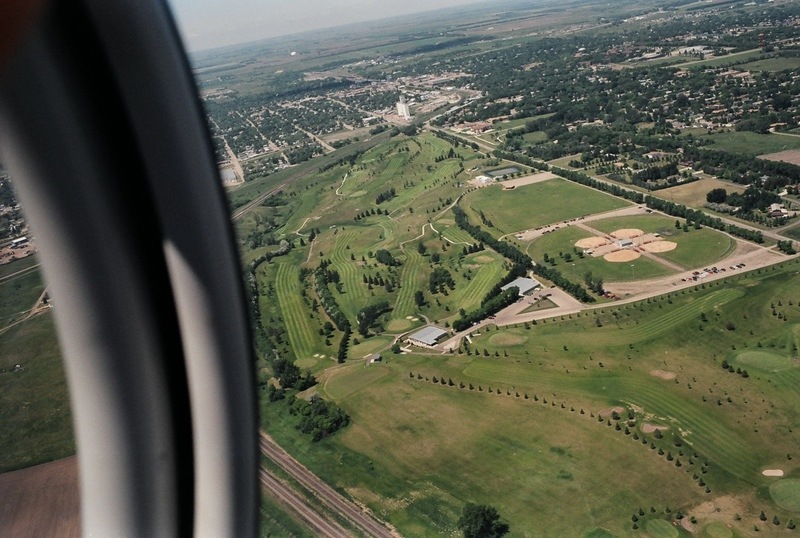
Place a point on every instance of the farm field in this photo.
(535, 205)
(568, 409)
(789, 156)
(694, 194)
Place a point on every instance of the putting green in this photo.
(718, 530)
(659, 528)
(306, 363)
(764, 360)
(397, 325)
(482, 259)
(507, 339)
(786, 494)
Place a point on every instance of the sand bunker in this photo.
(607, 412)
(663, 374)
(650, 428)
(660, 246)
(621, 256)
(627, 233)
(772, 472)
(591, 242)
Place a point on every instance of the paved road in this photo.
(332, 499)
(297, 505)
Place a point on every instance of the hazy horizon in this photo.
(209, 24)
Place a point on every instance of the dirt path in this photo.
(342, 185)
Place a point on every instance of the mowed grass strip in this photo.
(295, 314)
(536, 205)
(483, 279)
(410, 282)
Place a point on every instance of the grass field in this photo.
(694, 194)
(793, 232)
(35, 413)
(18, 265)
(772, 64)
(746, 143)
(550, 449)
(535, 205)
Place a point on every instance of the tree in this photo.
(419, 298)
(717, 196)
(481, 521)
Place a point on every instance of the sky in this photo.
(207, 24)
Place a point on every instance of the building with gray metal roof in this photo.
(427, 336)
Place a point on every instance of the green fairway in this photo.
(535, 205)
(786, 494)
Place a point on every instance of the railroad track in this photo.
(326, 494)
(298, 505)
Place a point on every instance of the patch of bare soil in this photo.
(663, 374)
(41, 501)
(627, 233)
(650, 428)
(607, 412)
(621, 256)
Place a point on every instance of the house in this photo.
(427, 336)
(624, 243)
(375, 357)
(524, 284)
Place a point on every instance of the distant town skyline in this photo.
(207, 24)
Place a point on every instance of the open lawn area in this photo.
(536, 205)
(564, 412)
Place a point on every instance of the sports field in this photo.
(520, 427)
(536, 205)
